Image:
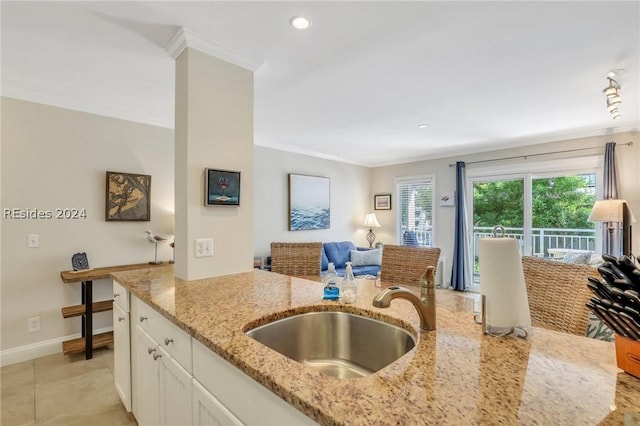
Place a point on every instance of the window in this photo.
(415, 212)
(545, 211)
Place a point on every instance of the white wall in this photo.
(351, 198)
(56, 158)
(383, 180)
(214, 129)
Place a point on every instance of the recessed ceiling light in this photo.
(422, 126)
(300, 22)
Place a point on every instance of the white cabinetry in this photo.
(147, 376)
(162, 369)
(175, 380)
(208, 411)
(121, 344)
(249, 401)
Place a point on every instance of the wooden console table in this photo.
(88, 342)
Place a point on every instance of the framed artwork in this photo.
(447, 199)
(309, 202)
(222, 188)
(128, 197)
(382, 202)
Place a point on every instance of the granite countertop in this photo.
(454, 375)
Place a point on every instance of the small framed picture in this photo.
(447, 199)
(382, 202)
(222, 188)
(127, 197)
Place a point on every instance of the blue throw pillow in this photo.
(338, 253)
(325, 261)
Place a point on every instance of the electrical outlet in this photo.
(33, 324)
(204, 247)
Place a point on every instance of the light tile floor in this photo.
(62, 390)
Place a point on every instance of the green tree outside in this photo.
(559, 202)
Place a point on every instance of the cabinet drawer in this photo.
(169, 336)
(121, 296)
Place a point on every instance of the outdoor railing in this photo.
(544, 239)
(424, 236)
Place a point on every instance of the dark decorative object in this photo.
(382, 202)
(79, 261)
(128, 197)
(222, 188)
(309, 203)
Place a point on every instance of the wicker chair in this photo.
(557, 294)
(403, 265)
(296, 259)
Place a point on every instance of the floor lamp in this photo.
(615, 211)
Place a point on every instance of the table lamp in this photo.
(371, 222)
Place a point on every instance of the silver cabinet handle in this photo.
(121, 319)
(116, 295)
(142, 318)
(167, 341)
(150, 350)
(156, 356)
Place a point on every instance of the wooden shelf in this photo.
(77, 310)
(86, 310)
(102, 273)
(78, 345)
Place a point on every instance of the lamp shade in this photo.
(608, 211)
(370, 221)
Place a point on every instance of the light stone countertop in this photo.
(455, 375)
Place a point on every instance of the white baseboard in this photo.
(39, 349)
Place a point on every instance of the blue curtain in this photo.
(610, 240)
(460, 274)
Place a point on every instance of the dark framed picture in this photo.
(222, 188)
(382, 202)
(128, 197)
(309, 202)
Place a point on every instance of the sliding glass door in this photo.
(546, 212)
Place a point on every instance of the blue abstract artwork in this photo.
(309, 203)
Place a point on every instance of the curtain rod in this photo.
(630, 143)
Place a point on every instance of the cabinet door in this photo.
(208, 411)
(122, 355)
(148, 405)
(175, 391)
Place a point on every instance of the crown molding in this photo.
(186, 38)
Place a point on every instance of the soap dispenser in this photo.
(331, 290)
(348, 290)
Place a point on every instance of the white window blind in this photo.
(415, 198)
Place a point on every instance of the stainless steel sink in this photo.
(339, 344)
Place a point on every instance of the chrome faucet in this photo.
(425, 304)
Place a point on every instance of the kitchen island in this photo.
(455, 375)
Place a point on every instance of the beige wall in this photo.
(384, 178)
(214, 128)
(56, 158)
(350, 198)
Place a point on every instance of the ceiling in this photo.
(356, 85)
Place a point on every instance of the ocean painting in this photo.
(309, 203)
